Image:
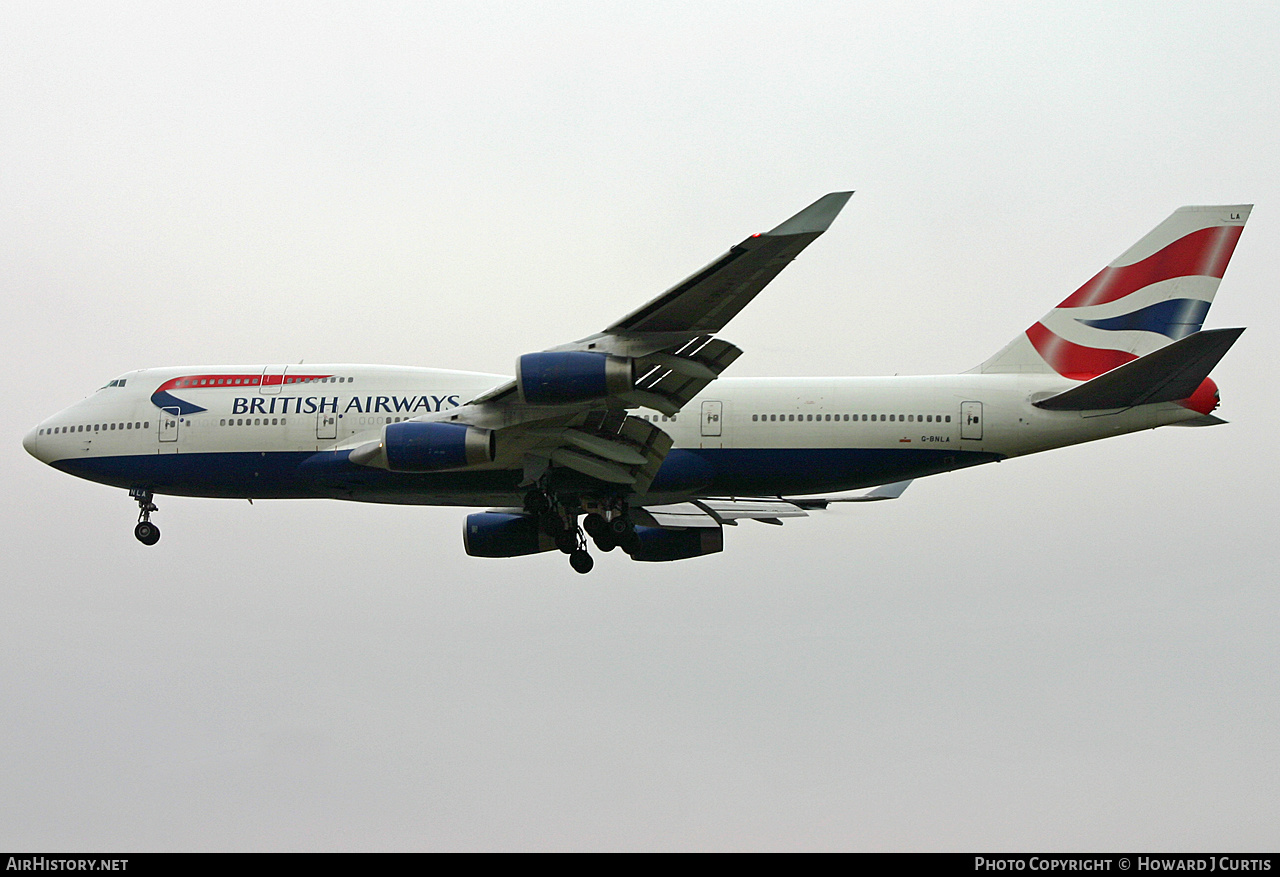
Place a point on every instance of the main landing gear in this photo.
(146, 532)
(609, 526)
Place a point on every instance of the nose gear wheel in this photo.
(145, 532)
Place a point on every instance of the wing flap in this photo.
(718, 512)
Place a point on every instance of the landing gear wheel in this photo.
(595, 525)
(536, 502)
(146, 532)
(621, 526)
(581, 561)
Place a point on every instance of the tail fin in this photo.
(1155, 293)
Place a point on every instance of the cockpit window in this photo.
(118, 382)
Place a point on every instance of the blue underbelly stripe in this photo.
(708, 472)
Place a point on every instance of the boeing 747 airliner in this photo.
(631, 438)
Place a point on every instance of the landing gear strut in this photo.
(146, 532)
(569, 539)
(606, 522)
(560, 522)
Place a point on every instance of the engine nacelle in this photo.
(500, 534)
(657, 544)
(565, 377)
(413, 446)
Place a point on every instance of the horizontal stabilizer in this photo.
(1203, 420)
(1169, 374)
(883, 492)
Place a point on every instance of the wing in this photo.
(567, 406)
(767, 510)
(673, 333)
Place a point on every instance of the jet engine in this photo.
(503, 534)
(657, 544)
(413, 446)
(565, 377)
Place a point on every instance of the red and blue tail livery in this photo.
(1158, 291)
(632, 438)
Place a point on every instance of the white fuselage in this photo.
(248, 431)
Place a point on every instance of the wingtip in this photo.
(816, 218)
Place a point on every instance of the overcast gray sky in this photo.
(1074, 651)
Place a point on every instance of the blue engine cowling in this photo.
(411, 446)
(558, 378)
(657, 544)
(500, 534)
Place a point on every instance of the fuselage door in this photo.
(169, 420)
(711, 418)
(272, 379)
(971, 420)
(326, 425)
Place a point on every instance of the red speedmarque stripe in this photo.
(1201, 253)
(253, 380)
(1072, 360)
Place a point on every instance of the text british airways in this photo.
(360, 404)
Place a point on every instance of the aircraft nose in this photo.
(29, 442)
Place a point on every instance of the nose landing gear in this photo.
(146, 532)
